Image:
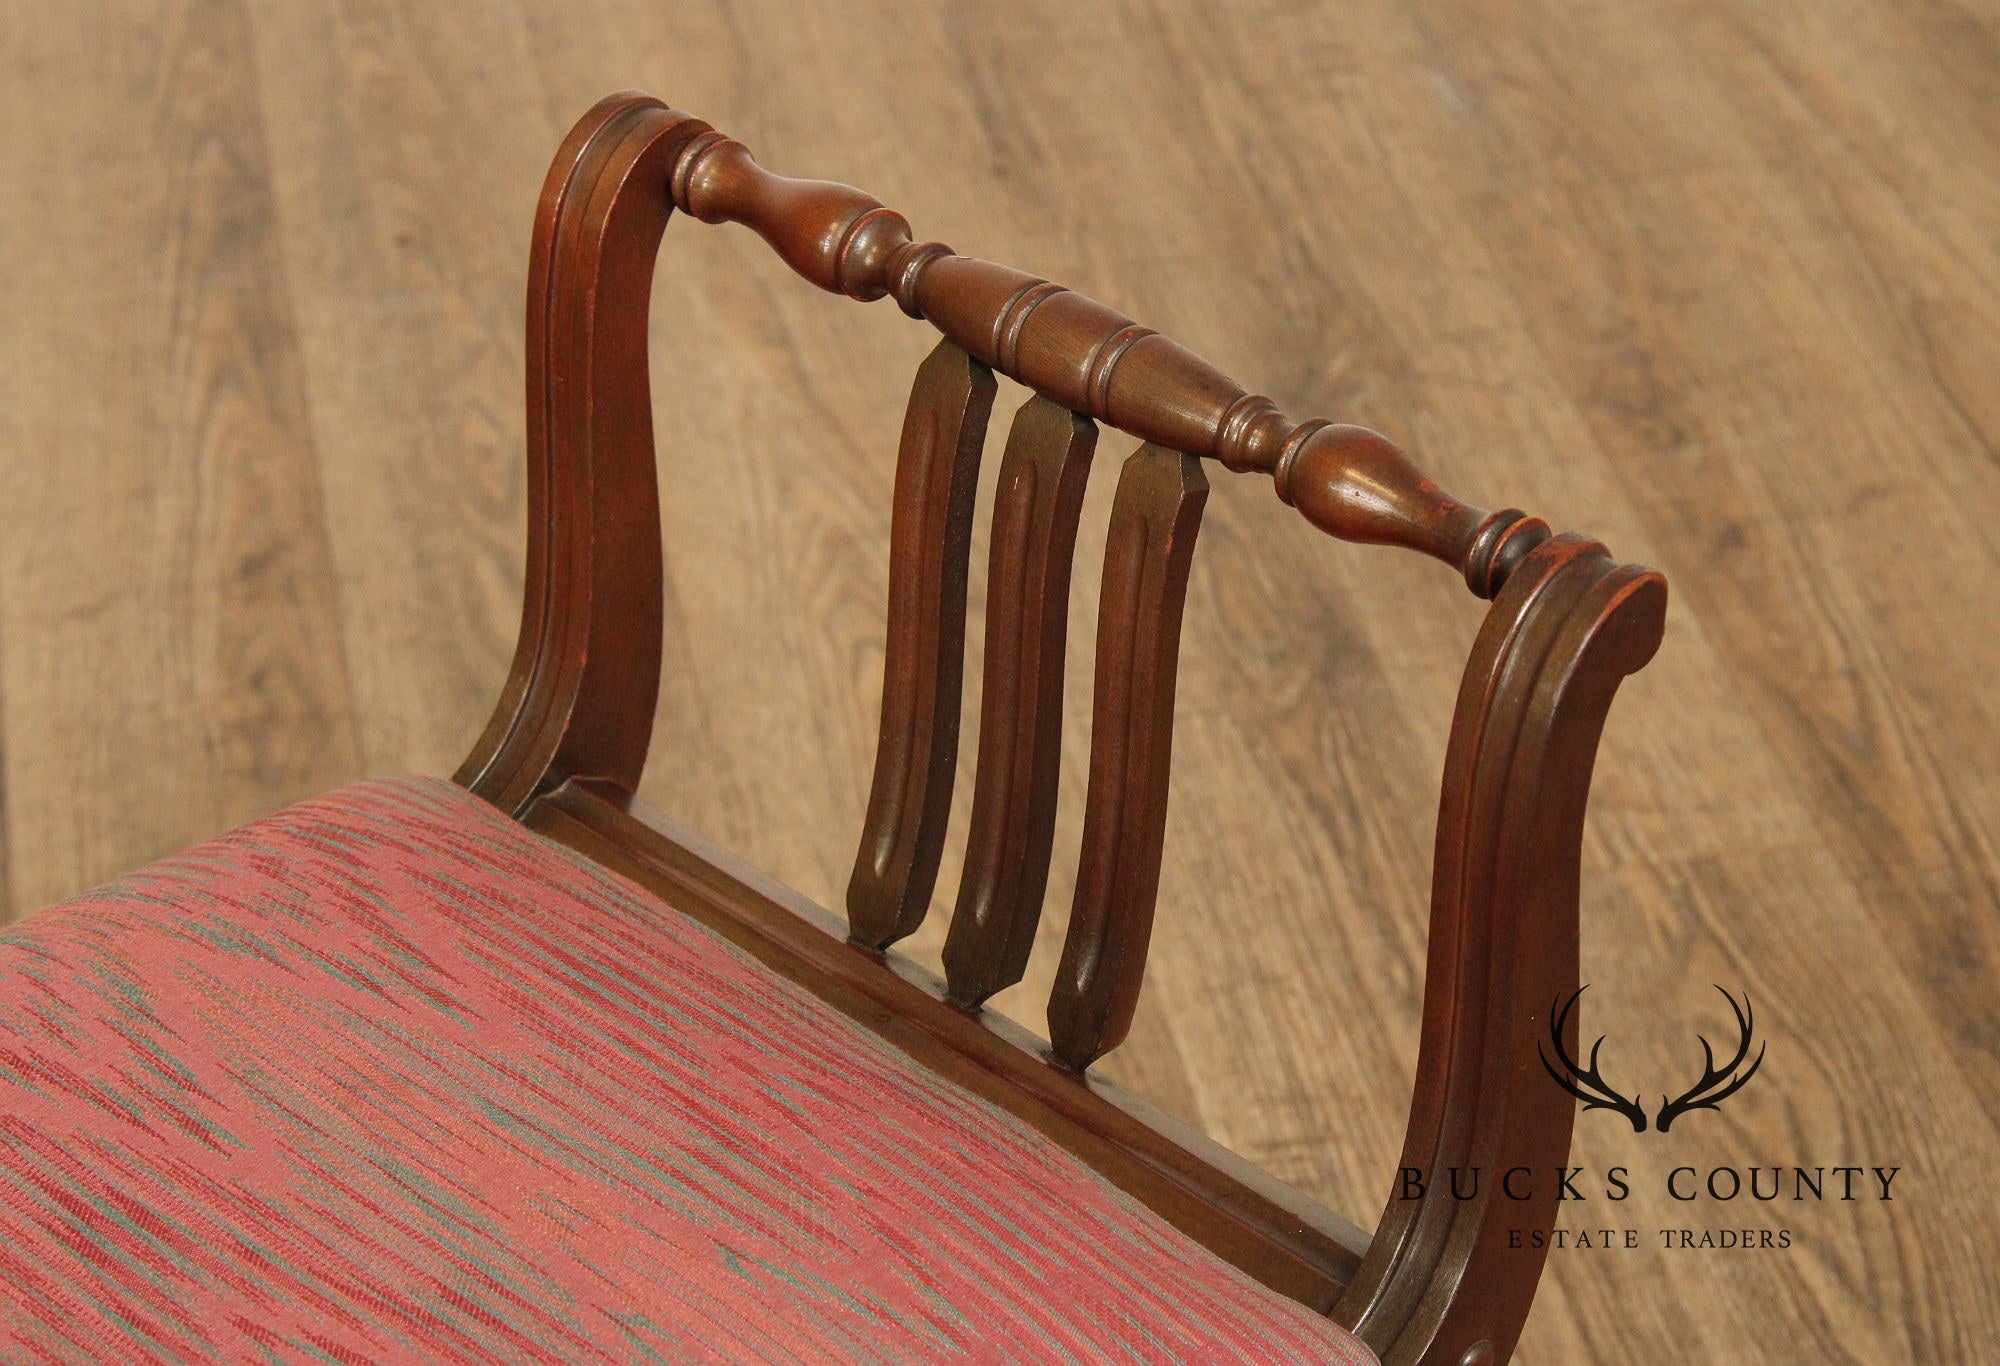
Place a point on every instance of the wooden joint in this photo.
(1497, 546)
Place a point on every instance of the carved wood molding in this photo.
(1012, 835)
(1148, 554)
(916, 754)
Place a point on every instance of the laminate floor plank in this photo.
(165, 582)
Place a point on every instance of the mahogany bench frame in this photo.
(1437, 1281)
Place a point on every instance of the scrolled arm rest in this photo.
(1450, 1280)
(1349, 482)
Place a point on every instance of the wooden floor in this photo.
(1717, 280)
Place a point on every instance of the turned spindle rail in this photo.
(1439, 1280)
(1348, 481)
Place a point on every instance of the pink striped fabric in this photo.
(388, 1077)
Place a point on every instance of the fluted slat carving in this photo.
(1007, 848)
(930, 535)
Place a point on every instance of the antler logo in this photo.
(1587, 1084)
(1703, 1095)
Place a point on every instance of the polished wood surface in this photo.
(1346, 480)
(923, 658)
(1446, 1280)
(585, 681)
(1037, 507)
(1569, 626)
(1149, 545)
(1719, 286)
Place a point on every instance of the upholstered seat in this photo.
(387, 1075)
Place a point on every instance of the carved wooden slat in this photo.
(930, 537)
(1149, 551)
(1007, 848)
(1442, 1280)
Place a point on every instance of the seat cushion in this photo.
(387, 1076)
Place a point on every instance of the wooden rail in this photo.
(1011, 838)
(1348, 481)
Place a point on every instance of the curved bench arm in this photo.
(580, 696)
(1443, 1280)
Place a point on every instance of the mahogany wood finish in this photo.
(1147, 557)
(586, 675)
(1440, 1281)
(930, 536)
(1347, 481)
(1008, 845)
(1436, 1282)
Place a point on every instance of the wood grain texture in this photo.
(1569, 626)
(1448, 1280)
(580, 697)
(1718, 283)
(1346, 480)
